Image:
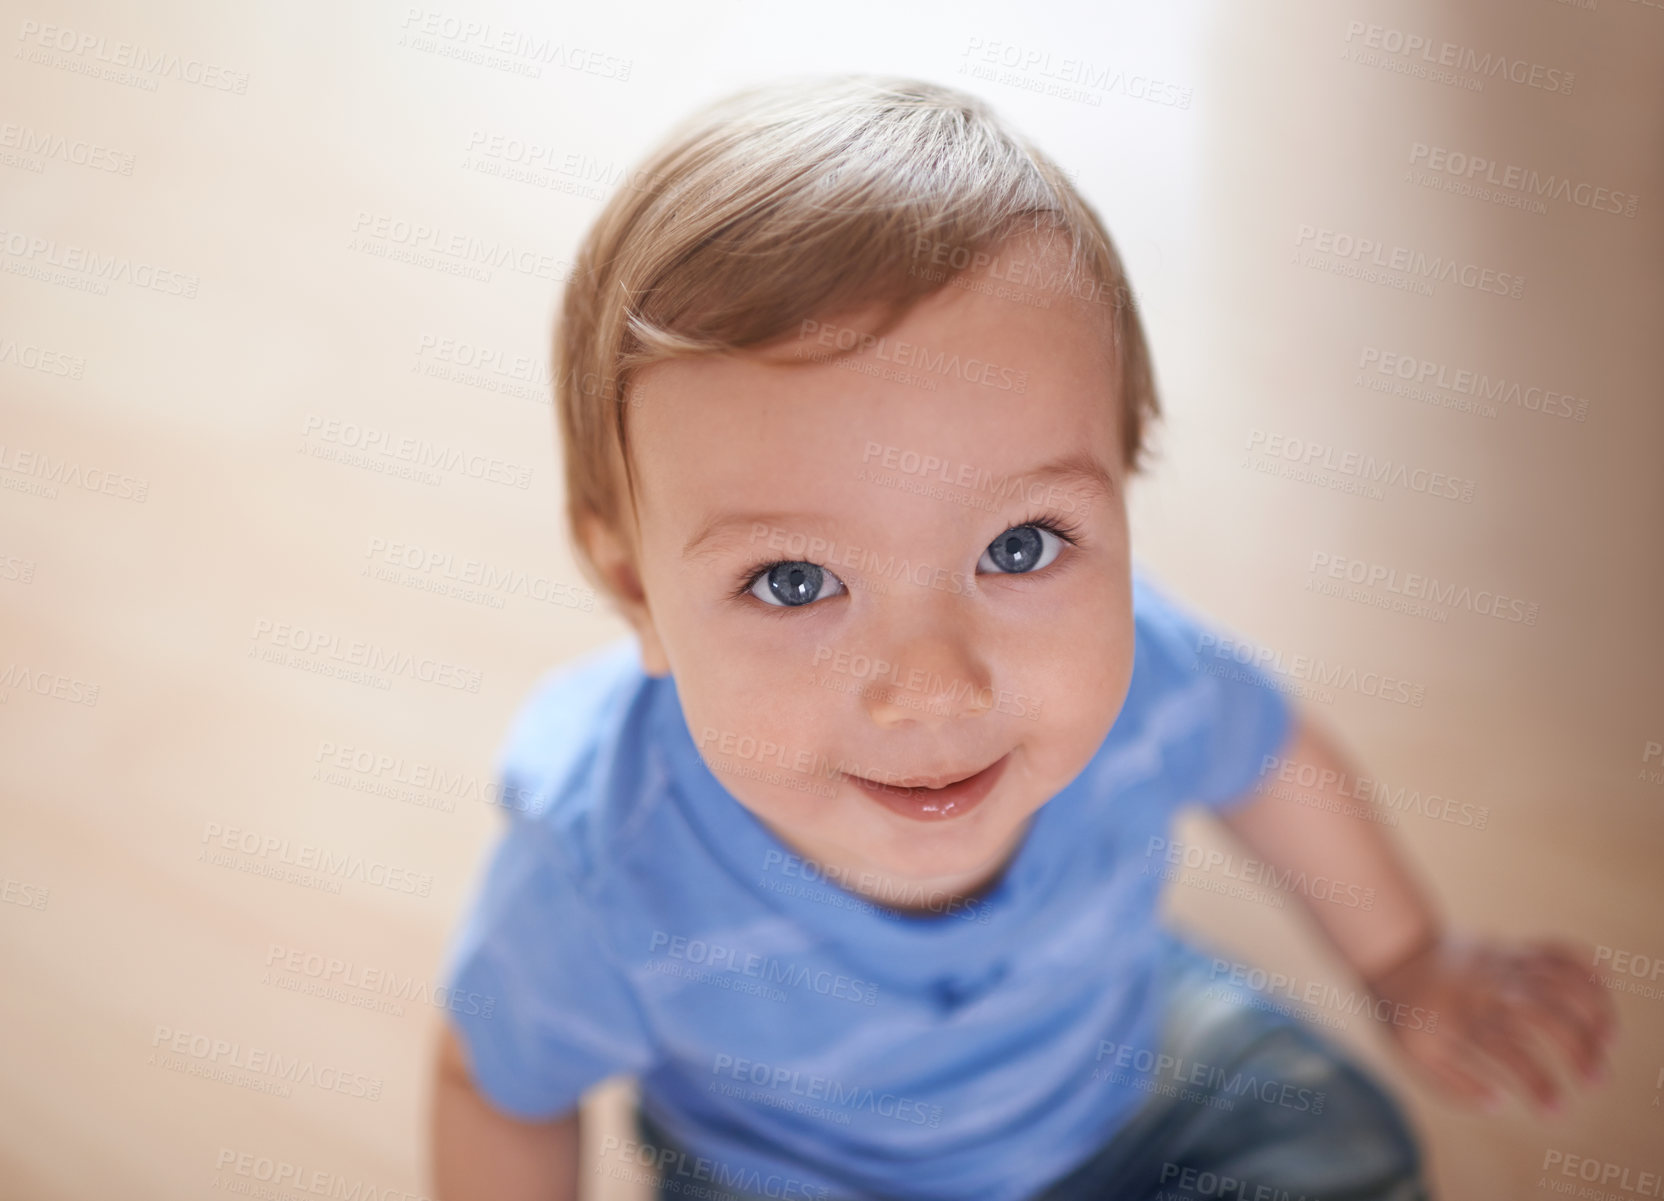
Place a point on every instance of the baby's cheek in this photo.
(1077, 698)
(1089, 671)
(768, 731)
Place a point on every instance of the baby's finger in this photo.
(1572, 988)
(1567, 962)
(1573, 953)
(1565, 1029)
(1501, 1039)
(1595, 1008)
(1458, 1074)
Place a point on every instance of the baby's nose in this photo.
(930, 679)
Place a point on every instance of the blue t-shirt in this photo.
(636, 918)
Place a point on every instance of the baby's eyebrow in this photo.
(1080, 471)
(721, 529)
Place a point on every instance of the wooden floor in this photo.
(216, 333)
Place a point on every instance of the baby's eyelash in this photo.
(749, 576)
(1069, 531)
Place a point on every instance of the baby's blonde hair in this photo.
(803, 200)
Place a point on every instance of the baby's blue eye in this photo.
(1022, 548)
(792, 585)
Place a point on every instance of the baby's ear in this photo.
(614, 560)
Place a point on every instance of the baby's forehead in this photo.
(956, 352)
(771, 440)
(956, 362)
(969, 384)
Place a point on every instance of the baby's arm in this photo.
(1328, 838)
(1489, 996)
(479, 1154)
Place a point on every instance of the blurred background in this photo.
(258, 416)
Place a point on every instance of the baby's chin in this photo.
(951, 860)
(937, 869)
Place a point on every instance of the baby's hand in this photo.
(1489, 996)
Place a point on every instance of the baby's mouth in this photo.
(915, 784)
(925, 798)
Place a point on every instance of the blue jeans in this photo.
(1205, 1142)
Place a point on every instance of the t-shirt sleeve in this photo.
(541, 1008)
(1238, 717)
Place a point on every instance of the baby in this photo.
(852, 854)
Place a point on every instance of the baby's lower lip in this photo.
(935, 804)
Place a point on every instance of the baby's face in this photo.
(858, 580)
